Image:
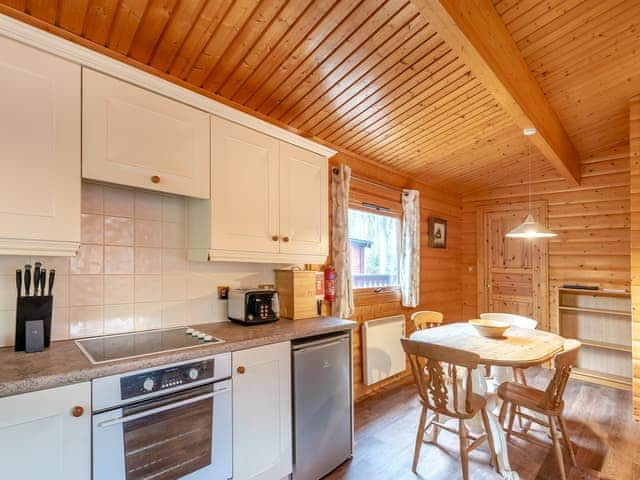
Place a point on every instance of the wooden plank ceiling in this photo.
(373, 77)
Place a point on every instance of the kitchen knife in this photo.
(19, 281)
(27, 280)
(52, 277)
(43, 280)
(36, 278)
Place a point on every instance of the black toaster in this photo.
(253, 306)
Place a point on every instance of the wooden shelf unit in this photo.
(602, 322)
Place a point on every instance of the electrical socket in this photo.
(223, 292)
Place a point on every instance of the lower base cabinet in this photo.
(262, 413)
(46, 434)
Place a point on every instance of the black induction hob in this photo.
(110, 348)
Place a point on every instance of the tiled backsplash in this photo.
(131, 272)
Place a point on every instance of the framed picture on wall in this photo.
(437, 233)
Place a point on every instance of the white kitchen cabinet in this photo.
(132, 136)
(262, 413)
(39, 152)
(269, 200)
(44, 434)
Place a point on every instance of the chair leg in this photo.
(567, 440)
(487, 429)
(464, 453)
(512, 417)
(436, 429)
(419, 437)
(557, 448)
(523, 374)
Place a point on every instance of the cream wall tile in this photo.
(92, 198)
(201, 285)
(118, 231)
(60, 290)
(174, 209)
(60, 324)
(148, 288)
(174, 287)
(119, 202)
(118, 289)
(118, 260)
(7, 327)
(148, 316)
(148, 206)
(59, 264)
(118, 318)
(203, 310)
(148, 260)
(174, 261)
(174, 235)
(88, 261)
(8, 291)
(148, 233)
(9, 264)
(86, 321)
(175, 314)
(91, 228)
(86, 290)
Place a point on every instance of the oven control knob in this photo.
(148, 384)
(193, 373)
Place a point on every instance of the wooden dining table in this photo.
(519, 348)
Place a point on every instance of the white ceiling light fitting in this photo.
(530, 228)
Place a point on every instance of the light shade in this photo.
(530, 229)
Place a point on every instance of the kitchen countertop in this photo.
(63, 363)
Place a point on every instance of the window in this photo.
(374, 242)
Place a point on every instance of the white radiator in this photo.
(382, 351)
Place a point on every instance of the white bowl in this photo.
(490, 328)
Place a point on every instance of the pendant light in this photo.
(530, 228)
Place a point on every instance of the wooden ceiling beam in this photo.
(475, 32)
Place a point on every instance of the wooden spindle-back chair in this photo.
(548, 402)
(427, 319)
(447, 396)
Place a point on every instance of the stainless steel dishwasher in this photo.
(322, 406)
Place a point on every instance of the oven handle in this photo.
(164, 408)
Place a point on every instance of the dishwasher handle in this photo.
(320, 343)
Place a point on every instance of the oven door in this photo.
(182, 435)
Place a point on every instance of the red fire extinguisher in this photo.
(329, 283)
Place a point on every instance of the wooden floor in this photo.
(606, 441)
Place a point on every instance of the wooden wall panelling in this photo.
(634, 157)
(440, 287)
(592, 222)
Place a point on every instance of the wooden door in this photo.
(512, 271)
(304, 205)
(244, 181)
(39, 152)
(262, 413)
(41, 438)
(131, 136)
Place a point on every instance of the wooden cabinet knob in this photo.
(77, 411)
(241, 370)
(285, 239)
(155, 179)
(274, 238)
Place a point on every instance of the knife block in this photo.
(33, 308)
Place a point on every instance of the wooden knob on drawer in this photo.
(155, 179)
(240, 370)
(274, 238)
(285, 239)
(77, 411)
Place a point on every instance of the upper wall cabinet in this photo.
(131, 136)
(268, 200)
(39, 152)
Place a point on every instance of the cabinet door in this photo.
(41, 438)
(244, 183)
(39, 152)
(304, 203)
(135, 137)
(262, 413)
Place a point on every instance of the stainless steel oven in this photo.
(165, 423)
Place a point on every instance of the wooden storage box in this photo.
(297, 291)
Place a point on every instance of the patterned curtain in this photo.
(343, 306)
(410, 252)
